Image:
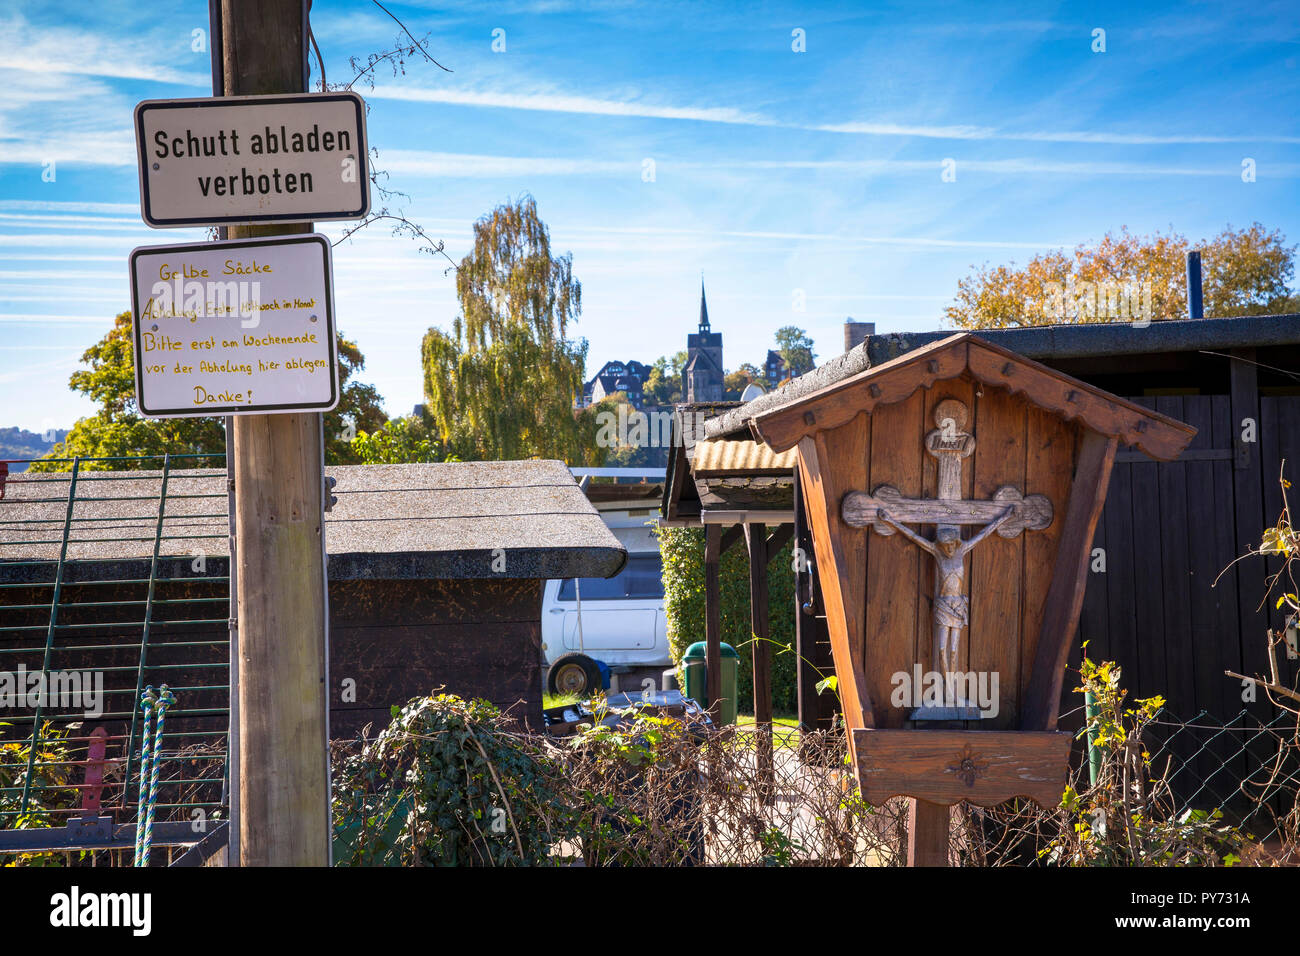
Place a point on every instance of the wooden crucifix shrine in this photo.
(952, 495)
(1008, 512)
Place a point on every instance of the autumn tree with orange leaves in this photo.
(1246, 272)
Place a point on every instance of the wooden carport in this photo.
(734, 489)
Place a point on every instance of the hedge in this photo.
(683, 558)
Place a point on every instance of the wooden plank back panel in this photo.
(1148, 577)
(1120, 626)
(1049, 468)
(997, 565)
(1250, 474)
(963, 391)
(1226, 633)
(1280, 446)
(1279, 440)
(895, 566)
(1173, 515)
(841, 558)
(1201, 562)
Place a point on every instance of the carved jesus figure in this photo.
(1008, 512)
(951, 606)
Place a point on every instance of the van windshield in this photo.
(641, 579)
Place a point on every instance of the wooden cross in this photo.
(1008, 513)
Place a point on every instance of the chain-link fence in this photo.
(1245, 767)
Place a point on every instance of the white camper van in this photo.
(610, 631)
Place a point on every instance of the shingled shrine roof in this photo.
(834, 404)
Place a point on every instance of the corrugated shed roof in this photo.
(447, 520)
(720, 456)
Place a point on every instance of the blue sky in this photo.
(785, 177)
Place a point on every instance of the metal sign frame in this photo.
(233, 103)
(215, 411)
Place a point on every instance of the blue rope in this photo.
(147, 700)
(165, 700)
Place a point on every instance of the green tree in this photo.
(645, 446)
(796, 349)
(399, 441)
(734, 383)
(502, 383)
(1245, 272)
(664, 384)
(118, 429)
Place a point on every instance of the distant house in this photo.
(774, 368)
(626, 377)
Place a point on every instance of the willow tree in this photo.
(502, 383)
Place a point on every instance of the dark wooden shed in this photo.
(1164, 597)
(435, 579)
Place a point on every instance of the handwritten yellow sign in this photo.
(238, 327)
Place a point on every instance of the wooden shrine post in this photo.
(952, 495)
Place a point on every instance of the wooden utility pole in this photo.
(283, 737)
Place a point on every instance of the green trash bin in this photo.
(697, 684)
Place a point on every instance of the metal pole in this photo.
(1195, 309)
(1094, 752)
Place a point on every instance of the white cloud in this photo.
(39, 318)
(476, 166)
(48, 50)
(568, 103)
(40, 205)
(483, 166)
(557, 102)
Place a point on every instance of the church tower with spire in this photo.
(703, 375)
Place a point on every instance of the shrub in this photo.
(653, 790)
(446, 784)
(683, 559)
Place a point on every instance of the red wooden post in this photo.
(92, 790)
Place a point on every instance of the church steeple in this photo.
(702, 377)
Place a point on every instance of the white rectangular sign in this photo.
(249, 159)
(238, 327)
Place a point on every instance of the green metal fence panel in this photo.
(112, 577)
